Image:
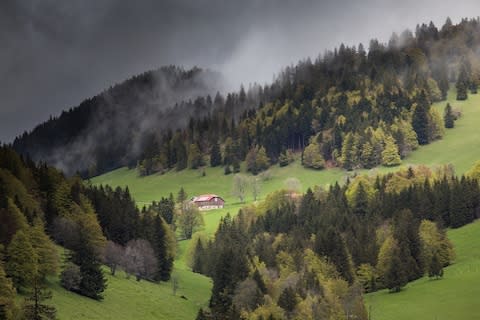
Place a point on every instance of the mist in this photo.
(56, 53)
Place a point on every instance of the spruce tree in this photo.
(7, 296)
(22, 259)
(462, 84)
(163, 244)
(448, 117)
(288, 299)
(215, 155)
(360, 201)
(390, 155)
(35, 307)
(420, 119)
(395, 276)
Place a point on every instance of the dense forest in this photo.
(312, 257)
(106, 131)
(351, 107)
(50, 223)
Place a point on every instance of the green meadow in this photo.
(453, 297)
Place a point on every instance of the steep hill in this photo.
(107, 131)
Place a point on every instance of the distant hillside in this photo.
(352, 108)
(106, 131)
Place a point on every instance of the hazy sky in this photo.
(55, 53)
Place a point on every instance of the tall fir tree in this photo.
(462, 83)
(420, 119)
(22, 259)
(215, 155)
(35, 307)
(448, 117)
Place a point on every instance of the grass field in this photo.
(456, 296)
(129, 299)
(452, 296)
(461, 145)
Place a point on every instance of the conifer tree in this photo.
(7, 296)
(390, 155)
(395, 276)
(462, 84)
(22, 259)
(448, 117)
(420, 119)
(181, 196)
(195, 159)
(215, 155)
(45, 250)
(35, 307)
(360, 201)
(198, 258)
(163, 244)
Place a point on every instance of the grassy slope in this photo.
(129, 299)
(453, 297)
(460, 146)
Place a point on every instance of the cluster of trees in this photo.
(337, 103)
(313, 256)
(38, 204)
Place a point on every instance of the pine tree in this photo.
(35, 308)
(46, 251)
(22, 259)
(181, 196)
(7, 296)
(164, 249)
(366, 156)
(215, 155)
(288, 299)
(395, 276)
(420, 119)
(360, 201)
(462, 83)
(198, 258)
(93, 282)
(390, 155)
(349, 152)
(195, 159)
(448, 117)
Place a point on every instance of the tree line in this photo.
(350, 107)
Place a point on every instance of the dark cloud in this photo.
(55, 53)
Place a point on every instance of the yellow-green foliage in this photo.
(16, 189)
(353, 187)
(474, 172)
(435, 242)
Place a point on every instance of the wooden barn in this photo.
(208, 202)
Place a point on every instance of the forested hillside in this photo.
(39, 208)
(351, 107)
(312, 256)
(108, 131)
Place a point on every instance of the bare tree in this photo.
(256, 184)
(240, 186)
(139, 259)
(113, 256)
(189, 219)
(293, 185)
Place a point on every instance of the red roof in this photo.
(205, 197)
